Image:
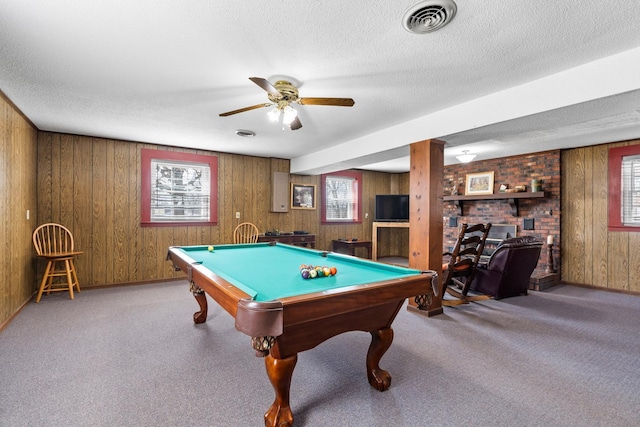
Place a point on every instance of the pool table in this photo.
(260, 285)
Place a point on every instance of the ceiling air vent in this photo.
(429, 15)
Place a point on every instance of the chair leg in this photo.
(45, 279)
(74, 275)
(67, 268)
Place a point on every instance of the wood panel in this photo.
(589, 205)
(18, 192)
(121, 209)
(573, 225)
(634, 263)
(81, 165)
(598, 220)
(6, 304)
(592, 255)
(96, 254)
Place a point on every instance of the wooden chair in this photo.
(54, 242)
(245, 233)
(460, 270)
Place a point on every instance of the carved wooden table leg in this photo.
(380, 342)
(201, 298)
(280, 372)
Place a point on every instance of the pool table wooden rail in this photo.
(269, 318)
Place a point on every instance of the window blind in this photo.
(341, 195)
(630, 200)
(180, 191)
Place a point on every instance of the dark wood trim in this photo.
(600, 288)
(512, 198)
(6, 323)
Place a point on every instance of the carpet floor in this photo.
(132, 356)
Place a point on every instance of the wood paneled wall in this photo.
(591, 254)
(18, 191)
(92, 186)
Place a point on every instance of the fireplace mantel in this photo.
(512, 198)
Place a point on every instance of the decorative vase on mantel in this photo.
(536, 185)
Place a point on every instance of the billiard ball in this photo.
(313, 274)
(305, 274)
(333, 271)
(210, 248)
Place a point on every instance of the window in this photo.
(342, 197)
(624, 188)
(178, 188)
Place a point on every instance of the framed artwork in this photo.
(303, 196)
(479, 183)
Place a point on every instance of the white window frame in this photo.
(342, 197)
(178, 188)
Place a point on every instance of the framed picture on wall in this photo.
(479, 183)
(303, 196)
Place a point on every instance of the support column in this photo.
(426, 177)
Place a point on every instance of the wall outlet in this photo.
(237, 215)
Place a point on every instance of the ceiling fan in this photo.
(282, 94)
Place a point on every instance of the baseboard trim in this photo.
(15, 313)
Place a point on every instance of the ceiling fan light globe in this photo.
(289, 115)
(274, 114)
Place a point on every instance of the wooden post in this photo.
(426, 177)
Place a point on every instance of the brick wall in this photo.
(518, 170)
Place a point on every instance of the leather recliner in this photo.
(509, 268)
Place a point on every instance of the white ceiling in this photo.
(504, 77)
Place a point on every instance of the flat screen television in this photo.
(392, 208)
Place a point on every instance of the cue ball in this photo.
(210, 248)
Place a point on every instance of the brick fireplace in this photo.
(541, 214)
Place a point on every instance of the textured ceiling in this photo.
(504, 77)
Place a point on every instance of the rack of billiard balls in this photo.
(312, 272)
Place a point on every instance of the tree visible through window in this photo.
(178, 188)
(341, 197)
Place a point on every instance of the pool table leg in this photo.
(380, 342)
(280, 372)
(201, 298)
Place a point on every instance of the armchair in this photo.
(509, 268)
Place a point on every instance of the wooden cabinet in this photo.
(280, 192)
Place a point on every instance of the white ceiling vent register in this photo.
(428, 15)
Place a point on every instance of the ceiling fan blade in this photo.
(264, 84)
(339, 102)
(295, 124)
(242, 110)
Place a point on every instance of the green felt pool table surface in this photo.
(268, 272)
